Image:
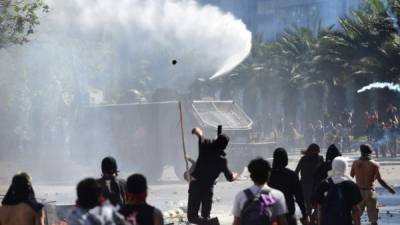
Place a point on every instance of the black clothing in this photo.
(142, 213)
(291, 219)
(287, 181)
(351, 196)
(209, 165)
(199, 194)
(321, 173)
(115, 191)
(307, 166)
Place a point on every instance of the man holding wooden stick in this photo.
(210, 163)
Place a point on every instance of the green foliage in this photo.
(365, 48)
(18, 19)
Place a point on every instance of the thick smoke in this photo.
(380, 85)
(106, 47)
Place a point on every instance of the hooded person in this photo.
(337, 197)
(288, 183)
(322, 171)
(19, 206)
(211, 162)
(114, 188)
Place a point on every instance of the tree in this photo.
(18, 19)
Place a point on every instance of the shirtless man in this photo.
(366, 171)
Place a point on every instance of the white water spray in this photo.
(380, 85)
(205, 41)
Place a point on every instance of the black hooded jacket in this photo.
(210, 162)
(287, 182)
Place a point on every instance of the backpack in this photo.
(333, 210)
(256, 210)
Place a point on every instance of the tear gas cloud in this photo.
(84, 46)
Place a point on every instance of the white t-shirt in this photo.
(277, 209)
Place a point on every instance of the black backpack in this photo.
(256, 210)
(333, 209)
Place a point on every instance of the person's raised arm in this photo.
(383, 183)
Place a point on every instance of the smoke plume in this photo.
(380, 85)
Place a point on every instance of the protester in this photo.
(259, 197)
(287, 181)
(90, 206)
(371, 123)
(307, 166)
(338, 197)
(19, 205)
(391, 113)
(210, 163)
(136, 210)
(366, 171)
(113, 187)
(322, 171)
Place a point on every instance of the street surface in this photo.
(170, 194)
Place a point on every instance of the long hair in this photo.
(312, 149)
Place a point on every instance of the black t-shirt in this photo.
(141, 213)
(210, 163)
(288, 182)
(351, 195)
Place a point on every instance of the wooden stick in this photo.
(183, 139)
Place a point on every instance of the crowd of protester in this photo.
(381, 130)
(323, 132)
(324, 193)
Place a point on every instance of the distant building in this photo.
(271, 17)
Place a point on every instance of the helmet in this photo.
(109, 165)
